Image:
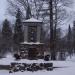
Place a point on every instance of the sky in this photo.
(3, 5)
(3, 13)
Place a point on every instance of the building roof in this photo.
(32, 20)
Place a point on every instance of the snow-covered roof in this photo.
(32, 20)
(31, 43)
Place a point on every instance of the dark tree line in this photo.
(10, 39)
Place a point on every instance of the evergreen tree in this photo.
(18, 32)
(28, 12)
(74, 36)
(6, 35)
(69, 40)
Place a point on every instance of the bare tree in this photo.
(36, 6)
(40, 9)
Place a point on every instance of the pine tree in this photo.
(6, 35)
(74, 36)
(28, 12)
(18, 32)
(69, 40)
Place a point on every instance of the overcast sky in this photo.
(3, 11)
(3, 5)
(3, 8)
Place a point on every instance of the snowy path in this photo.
(66, 68)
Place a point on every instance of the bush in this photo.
(46, 58)
(17, 56)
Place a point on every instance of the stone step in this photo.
(14, 67)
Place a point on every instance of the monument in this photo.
(32, 47)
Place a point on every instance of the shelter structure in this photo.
(32, 47)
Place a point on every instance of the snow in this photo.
(32, 20)
(7, 60)
(31, 43)
(65, 67)
(72, 58)
(31, 61)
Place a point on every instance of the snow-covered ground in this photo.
(65, 67)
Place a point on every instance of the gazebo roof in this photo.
(32, 20)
